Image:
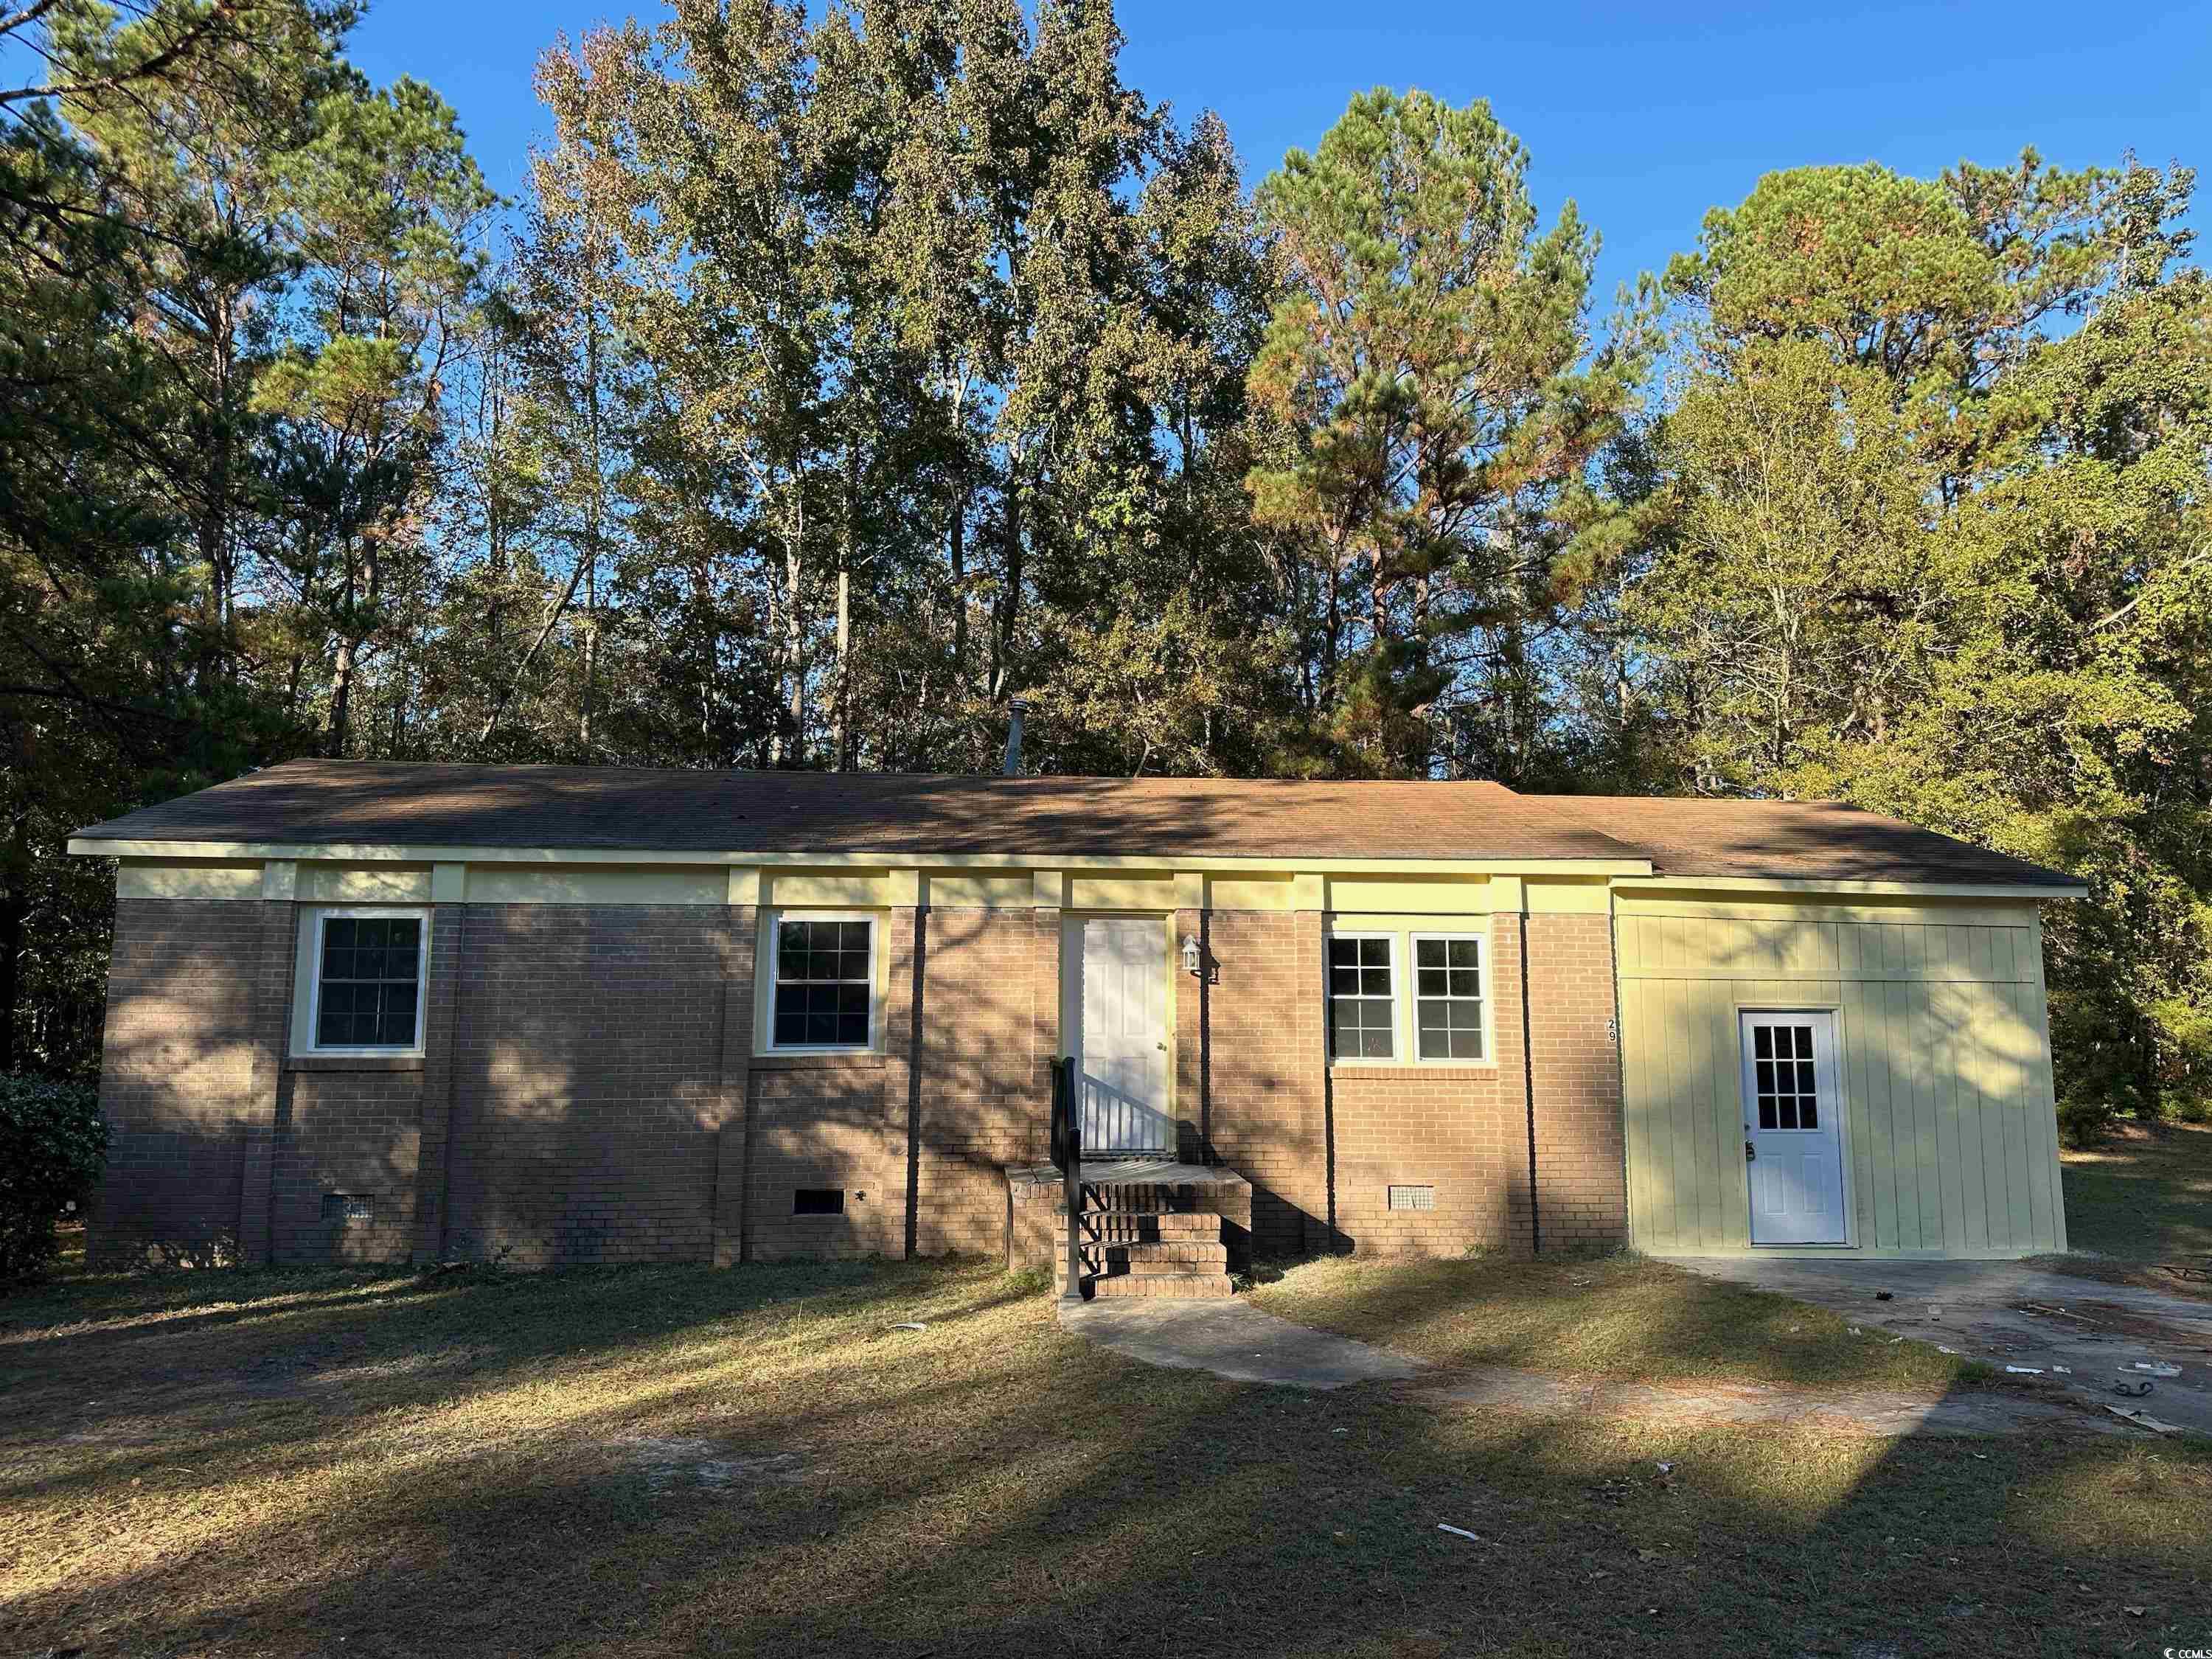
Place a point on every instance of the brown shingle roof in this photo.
(594, 808)
(411, 805)
(1809, 840)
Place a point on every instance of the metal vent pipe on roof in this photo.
(1015, 710)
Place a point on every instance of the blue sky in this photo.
(1646, 114)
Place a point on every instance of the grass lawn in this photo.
(683, 1461)
(2143, 1196)
(1614, 1316)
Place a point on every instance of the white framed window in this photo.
(1451, 997)
(822, 984)
(365, 982)
(1363, 996)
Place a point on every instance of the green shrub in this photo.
(2083, 1117)
(53, 1145)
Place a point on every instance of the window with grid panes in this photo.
(1362, 1001)
(369, 983)
(1448, 999)
(825, 984)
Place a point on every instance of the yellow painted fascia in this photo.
(1691, 886)
(364, 853)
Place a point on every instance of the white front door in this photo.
(1123, 1044)
(1792, 1127)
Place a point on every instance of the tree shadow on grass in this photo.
(647, 1467)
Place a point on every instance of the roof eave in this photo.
(390, 853)
(1675, 883)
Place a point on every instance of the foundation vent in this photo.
(818, 1200)
(349, 1206)
(1413, 1198)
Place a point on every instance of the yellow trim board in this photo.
(1148, 863)
(1686, 886)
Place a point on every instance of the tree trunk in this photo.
(1010, 597)
(14, 906)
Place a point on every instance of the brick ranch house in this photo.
(368, 1011)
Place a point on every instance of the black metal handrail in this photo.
(1067, 1158)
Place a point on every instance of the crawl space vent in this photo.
(349, 1206)
(818, 1200)
(1413, 1198)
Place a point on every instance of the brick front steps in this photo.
(1162, 1230)
(1150, 1254)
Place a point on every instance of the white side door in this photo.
(1124, 1040)
(1793, 1127)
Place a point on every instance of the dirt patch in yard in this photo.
(669, 1465)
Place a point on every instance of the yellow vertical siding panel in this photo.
(1968, 1220)
(2003, 1077)
(1928, 1147)
(1712, 1061)
(1636, 1092)
(1954, 1147)
(1684, 1092)
(2033, 1125)
(1852, 1033)
(2044, 1092)
(1672, 994)
(1990, 1074)
(1883, 1103)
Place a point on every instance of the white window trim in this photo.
(1396, 1056)
(307, 1046)
(776, 918)
(1414, 998)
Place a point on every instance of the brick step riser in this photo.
(1147, 1228)
(1143, 1270)
(1186, 1287)
(1214, 1256)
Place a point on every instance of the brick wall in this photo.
(825, 1122)
(354, 1133)
(1581, 1171)
(187, 1023)
(1266, 1102)
(589, 1094)
(981, 1110)
(587, 1083)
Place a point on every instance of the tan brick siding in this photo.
(1265, 1106)
(178, 1077)
(589, 1094)
(1581, 1183)
(982, 1109)
(358, 1133)
(587, 1083)
(823, 1120)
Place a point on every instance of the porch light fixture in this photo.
(1190, 961)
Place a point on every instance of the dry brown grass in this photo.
(2139, 1207)
(1615, 1316)
(681, 1460)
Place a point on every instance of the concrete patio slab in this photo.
(2010, 1313)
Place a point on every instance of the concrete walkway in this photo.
(2007, 1313)
(1233, 1338)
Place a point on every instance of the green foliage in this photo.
(1446, 404)
(53, 1145)
(1927, 552)
(850, 369)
